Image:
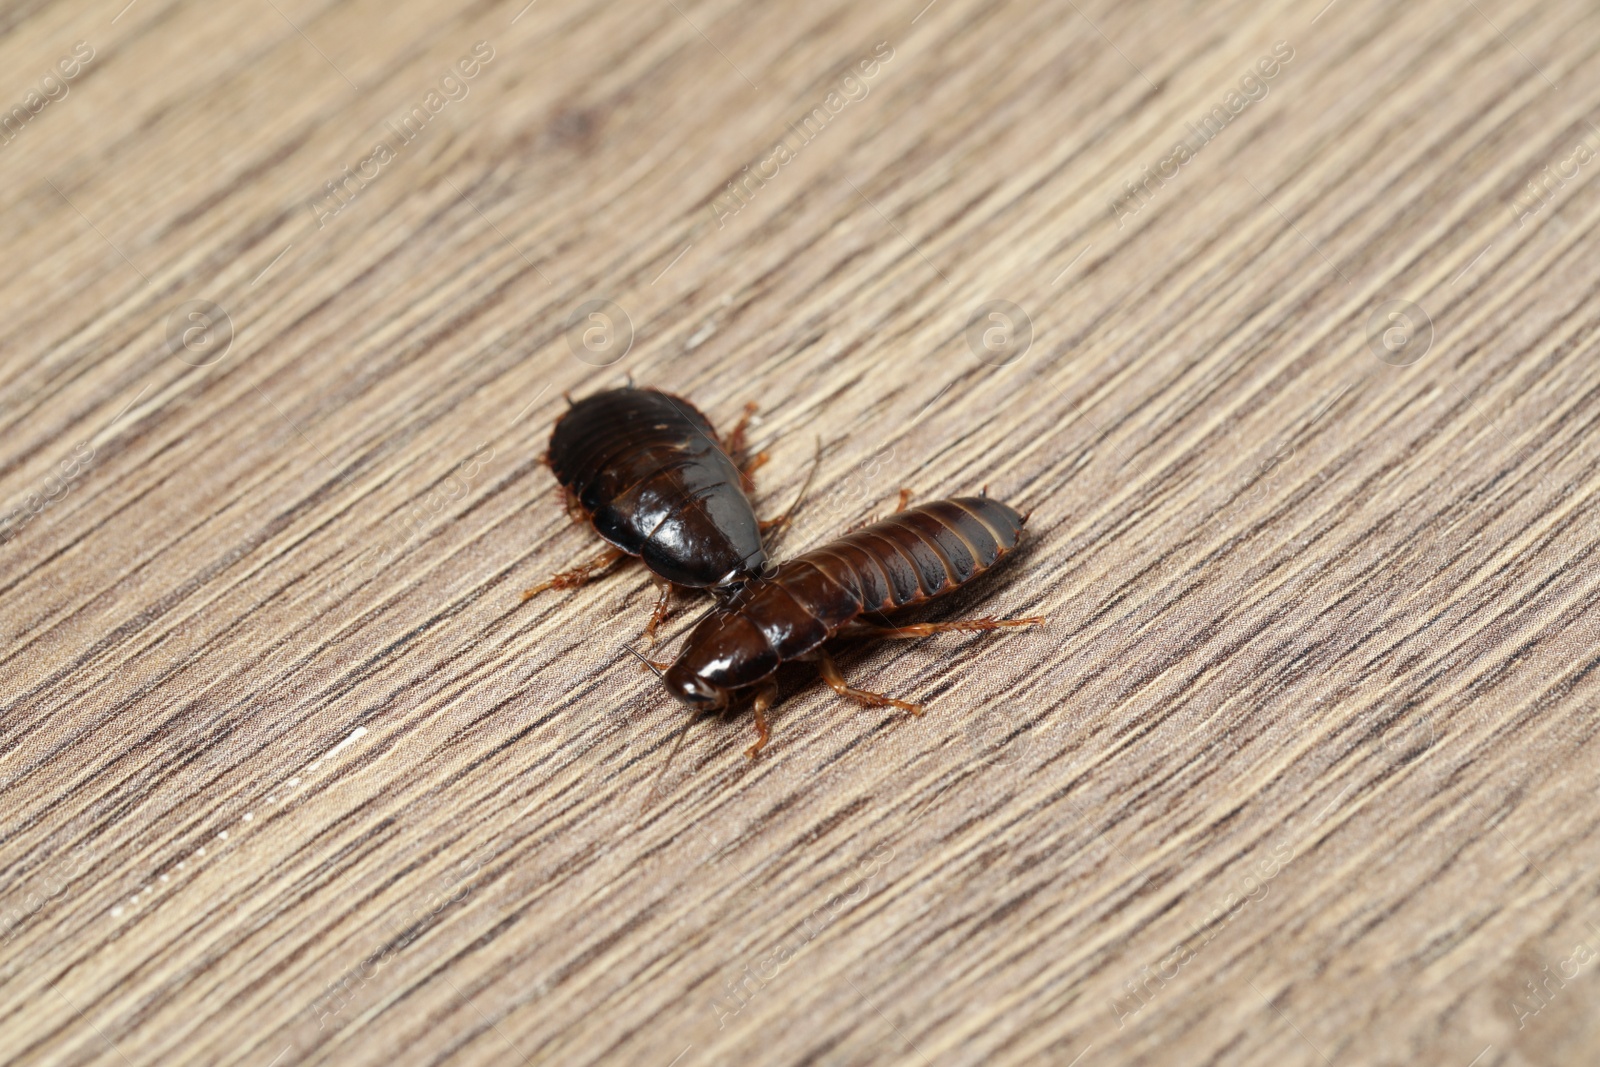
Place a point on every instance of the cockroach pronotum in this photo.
(648, 471)
(906, 560)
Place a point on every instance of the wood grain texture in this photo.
(1300, 772)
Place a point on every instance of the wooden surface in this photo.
(1301, 771)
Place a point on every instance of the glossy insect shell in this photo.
(907, 559)
(646, 468)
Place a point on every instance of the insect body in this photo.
(908, 559)
(649, 472)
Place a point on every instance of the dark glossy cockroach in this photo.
(906, 560)
(648, 471)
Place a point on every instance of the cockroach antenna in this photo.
(641, 659)
(656, 787)
(676, 745)
(781, 523)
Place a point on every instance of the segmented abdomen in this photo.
(918, 554)
(608, 445)
(647, 469)
(908, 558)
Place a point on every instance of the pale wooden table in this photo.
(1302, 770)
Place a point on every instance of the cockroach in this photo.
(650, 474)
(910, 558)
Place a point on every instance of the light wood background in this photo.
(1302, 770)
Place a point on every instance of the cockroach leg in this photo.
(663, 607)
(766, 696)
(574, 508)
(905, 498)
(734, 444)
(926, 629)
(779, 523)
(578, 575)
(747, 471)
(836, 682)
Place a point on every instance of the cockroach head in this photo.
(686, 685)
(694, 690)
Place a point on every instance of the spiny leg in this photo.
(736, 444)
(663, 607)
(766, 696)
(569, 499)
(747, 471)
(925, 629)
(578, 575)
(905, 498)
(575, 511)
(836, 682)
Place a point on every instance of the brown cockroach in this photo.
(912, 557)
(649, 472)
